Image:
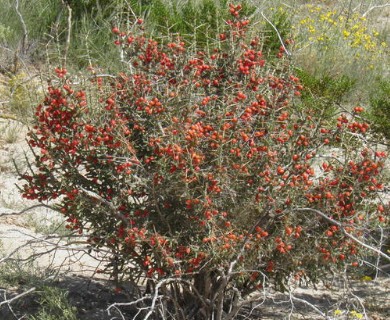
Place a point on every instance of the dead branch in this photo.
(69, 30)
(160, 294)
(25, 32)
(373, 8)
(17, 296)
(27, 209)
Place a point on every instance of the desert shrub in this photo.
(23, 92)
(324, 95)
(5, 33)
(197, 21)
(332, 41)
(197, 171)
(280, 30)
(379, 111)
(37, 15)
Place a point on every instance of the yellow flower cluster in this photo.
(326, 26)
(352, 314)
(356, 315)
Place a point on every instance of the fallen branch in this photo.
(17, 296)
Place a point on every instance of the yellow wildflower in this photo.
(338, 312)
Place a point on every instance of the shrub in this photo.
(332, 41)
(37, 16)
(197, 21)
(323, 95)
(379, 111)
(23, 93)
(196, 171)
(281, 21)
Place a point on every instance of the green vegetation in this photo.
(54, 305)
(16, 274)
(379, 111)
(324, 95)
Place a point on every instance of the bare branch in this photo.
(27, 209)
(25, 33)
(69, 31)
(375, 7)
(17, 297)
(156, 296)
(278, 34)
(292, 297)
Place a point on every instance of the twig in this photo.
(67, 44)
(381, 243)
(127, 304)
(374, 7)
(25, 33)
(278, 34)
(74, 247)
(27, 209)
(361, 304)
(17, 297)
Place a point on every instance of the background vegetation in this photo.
(340, 49)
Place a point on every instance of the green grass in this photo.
(54, 305)
(14, 273)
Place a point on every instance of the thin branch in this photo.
(17, 297)
(278, 34)
(323, 215)
(292, 297)
(375, 7)
(381, 243)
(127, 304)
(67, 44)
(27, 209)
(25, 33)
(156, 296)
